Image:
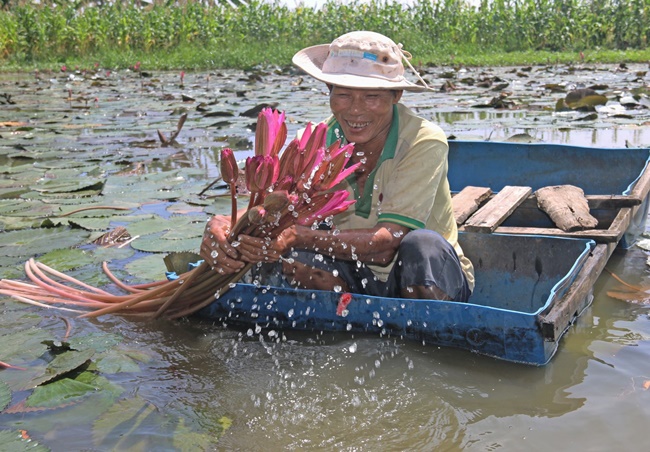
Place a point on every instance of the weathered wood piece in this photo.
(611, 235)
(567, 207)
(611, 202)
(467, 201)
(492, 214)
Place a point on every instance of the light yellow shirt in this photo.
(408, 187)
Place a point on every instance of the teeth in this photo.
(357, 125)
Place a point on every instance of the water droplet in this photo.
(290, 313)
(345, 313)
(337, 289)
(364, 282)
(353, 348)
(181, 281)
(258, 329)
(214, 254)
(235, 244)
(409, 322)
(375, 315)
(348, 327)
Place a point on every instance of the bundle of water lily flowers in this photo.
(294, 188)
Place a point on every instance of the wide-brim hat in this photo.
(360, 59)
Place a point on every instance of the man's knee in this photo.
(420, 243)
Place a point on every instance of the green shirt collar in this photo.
(364, 202)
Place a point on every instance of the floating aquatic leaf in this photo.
(14, 440)
(89, 224)
(39, 241)
(69, 185)
(99, 342)
(5, 395)
(114, 361)
(584, 98)
(133, 419)
(23, 346)
(179, 262)
(154, 243)
(59, 393)
(67, 259)
(61, 365)
(148, 268)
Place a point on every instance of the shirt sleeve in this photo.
(419, 172)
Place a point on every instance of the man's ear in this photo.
(397, 95)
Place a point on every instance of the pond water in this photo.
(89, 138)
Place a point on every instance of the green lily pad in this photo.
(59, 394)
(39, 241)
(89, 224)
(67, 259)
(69, 185)
(99, 342)
(24, 345)
(15, 441)
(148, 268)
(5, 395)
(61, 365)
(132, 419)
(154, 243)
(114, 361)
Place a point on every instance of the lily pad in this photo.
(67, 259)
(39, 241)
(69, 185)
(114, 361)
(148, 268)
(59, 394)
(5, 395)
(61, 365)
(154, 243)
(19, 441)
(99, 342)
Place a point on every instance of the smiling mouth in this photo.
(357, 125)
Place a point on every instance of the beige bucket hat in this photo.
(360, 59)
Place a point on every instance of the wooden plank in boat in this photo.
(467, 201)
(492, 214)
(598, 235)
(611, 202)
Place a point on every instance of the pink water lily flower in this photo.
(270, 133)
(331, 170)
(322, 206)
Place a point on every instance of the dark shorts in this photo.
(424, 258)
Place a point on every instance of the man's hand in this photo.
(254, 249)
(216, 250)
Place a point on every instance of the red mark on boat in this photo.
(344, 301)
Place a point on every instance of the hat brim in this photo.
(311, 61)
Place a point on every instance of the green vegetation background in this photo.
(195, 35)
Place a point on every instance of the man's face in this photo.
(364, 114)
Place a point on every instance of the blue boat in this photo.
(533, 279)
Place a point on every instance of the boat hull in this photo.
(532, 279)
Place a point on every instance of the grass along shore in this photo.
(191, 36)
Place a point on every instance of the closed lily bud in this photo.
(256, 214)
(276, 201)
(228, 166)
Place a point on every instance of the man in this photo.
(400, 238)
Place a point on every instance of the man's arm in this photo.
(376, 245)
